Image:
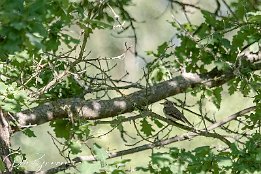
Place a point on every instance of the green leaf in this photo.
(160, 159)
(9, 106)
(158, 72)
(82, 131)
(162, 48)
(254, 16)
(158, 123)
(202, 30)
(2, 166)
(18, 25)
(244, 87)
(217, 96)
(166, 170)
(202, 151)
(100, 153)
(85, 129)
(146, 127)
(233, 85)
(210, 18)
(29, 132)
(99, 24)
(75, 146)
(61, 128)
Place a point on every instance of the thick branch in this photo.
(5, 145)
(93, 110)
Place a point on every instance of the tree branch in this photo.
(5, 145)
(95, 109)
(185, 136)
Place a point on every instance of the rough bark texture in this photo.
(5, 132)
(93, 110)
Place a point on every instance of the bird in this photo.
(172, 113)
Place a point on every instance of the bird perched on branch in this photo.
(173, 113)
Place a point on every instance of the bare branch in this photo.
(185, 136)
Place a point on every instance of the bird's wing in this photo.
(175, 113)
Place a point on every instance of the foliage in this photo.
(41, 61)
(244, 159)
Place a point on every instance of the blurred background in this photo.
(152, 28)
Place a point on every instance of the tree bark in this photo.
(98, 109)
(5, 144)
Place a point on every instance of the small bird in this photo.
(173, 113)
